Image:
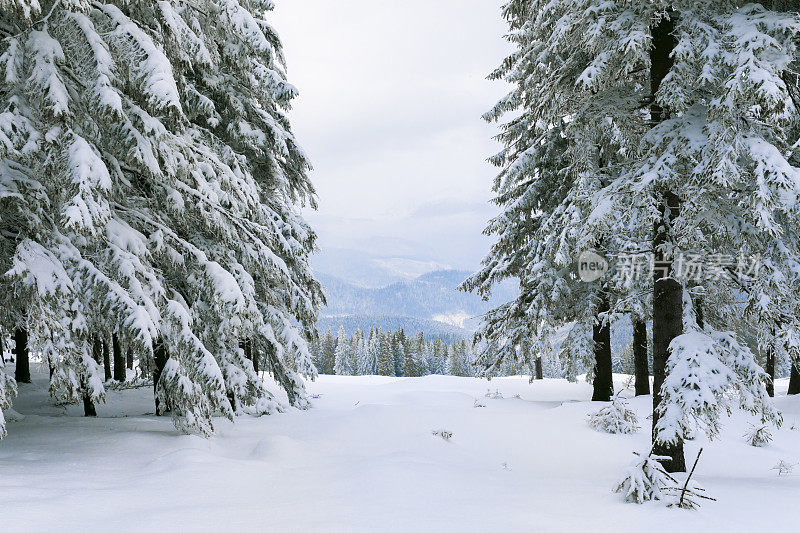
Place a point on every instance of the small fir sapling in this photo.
(645, 480)
(614, 418)
(759, 435)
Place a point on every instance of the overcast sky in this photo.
(391, 95)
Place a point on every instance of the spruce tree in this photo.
(386, 355)
(328, 353)
(655, 122)
(342, 355)
(157, 187)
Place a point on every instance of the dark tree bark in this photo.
(538, 368)
(667, 324)
(160, 356)
(23, 371)
(697, 301)
(88, 406)
(794, 378)
(640, 366)
(2, 349)
(603, 380)
(97, 350)
(770, 372)
(667, 292)
(254, 355)
(129, 358)
(119, 360)
(107, 360)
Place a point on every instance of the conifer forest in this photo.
(435, 265)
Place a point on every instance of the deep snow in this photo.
(365, 459)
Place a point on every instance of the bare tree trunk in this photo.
(667, 292)
(107, 360)
(697, 301)
(88, 406)
(160, 355)
(538, 367)
(794, 378)
(640, 366)
(603, 379)
(770, 372)
(129, 358)
(23, 371)
(251, 353)
(97, 350)
(119, 360)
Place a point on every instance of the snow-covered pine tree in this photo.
(341, 365)
(148, 173)
(398, 352)
(712, 177)
(681, 118)
(421, 354)
(370, 355)
(328, 353)
(563, 144)
(385, 356)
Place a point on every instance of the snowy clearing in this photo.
(365, 458)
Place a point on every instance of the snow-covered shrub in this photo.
(614, 418)
(758, 435)
(645, 480)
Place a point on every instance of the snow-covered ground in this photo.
(365, 459)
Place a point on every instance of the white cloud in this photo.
(391, 95)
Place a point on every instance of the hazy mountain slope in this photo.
(431, 299)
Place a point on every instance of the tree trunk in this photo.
(2, 349)
(254, 356)
(770, 372)
(794, 378)
(667, 292)
(107, 360)
(697, 302)
(538, 366)
(119, 360)
(129, 361)
(667, 324)
(640, 367)
(23, 371)
(88, 406)
(603, 381)
(97, 350)
(160, 356)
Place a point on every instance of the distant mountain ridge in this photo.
(429, 303)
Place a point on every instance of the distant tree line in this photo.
(391, 353)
